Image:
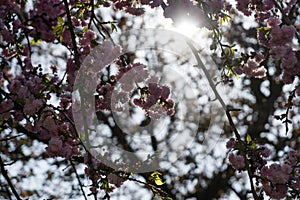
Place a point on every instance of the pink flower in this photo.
(165, 92)
(6, 106)
(54, 146)
(231, 143)
(268, 4)
(276, 173)
(298, 90)
(88, 36)
(237, 161)
(135, 11)
(32, 105)
(242, 5)
(277, 191)
(49, 124)
(273, 21)
(287, 78)
(252, 69)
(265, 152)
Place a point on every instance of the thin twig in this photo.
(78, 178)
(148, 185)
(4, 173)
(10, 138)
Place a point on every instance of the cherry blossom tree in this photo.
(81, 106)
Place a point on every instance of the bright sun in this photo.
(186, 28)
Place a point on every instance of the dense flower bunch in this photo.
(43, 18)
(135, 8)
(276, 179)
(152, 98)
(26, 94)
(97, 172)
(280, 38)
(252, 67)
(116, 92)
(277, 34)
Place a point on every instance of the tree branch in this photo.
(5, 175)
(73, 36)
(237, 135)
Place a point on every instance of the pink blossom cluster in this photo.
(6, 106)
(155, 99)
(237, 161)
(103, 98)
(11, 30)
(276, 179)
(253, 67)
(95, 171)
(280, 49)
(28, 93)
(114, 93)
(26, 104)
(87, 37)
(127, 76)
(6, 32)
(58, 133)
(260, 8)
(279, 43)
(277, 35)
(59, 146)
(255, 156)
(135, 8)
(105, 101)
(43, 18)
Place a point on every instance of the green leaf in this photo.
(248, 138)
(81, 12)
(213, 46)
(79, 4)
(58, 29)
(156, 177)
(253, 146)
(60, 38)
(34, 41)
(105, 185)
(113, 27)
(60, 20)
(155, 173)
(224, 19)
(158, 182)
(85, 29)
(81, 136)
